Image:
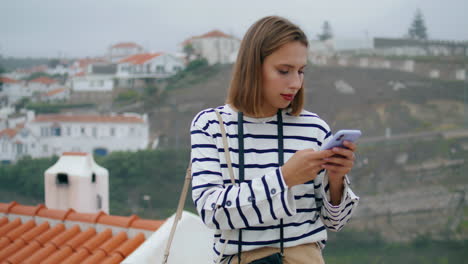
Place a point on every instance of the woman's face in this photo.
(283, 75)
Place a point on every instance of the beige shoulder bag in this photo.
(188, 178)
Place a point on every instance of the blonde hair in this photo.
(262, 39)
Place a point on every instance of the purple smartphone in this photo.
(340, 137)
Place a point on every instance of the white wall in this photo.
(93, 83)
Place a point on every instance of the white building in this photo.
(13, 90)
(92, 82)
(215, 46)
(149, 65)
(57, 95)
(47, 135)
(123, 50)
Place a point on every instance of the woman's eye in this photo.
(283, 72)
(301, 72)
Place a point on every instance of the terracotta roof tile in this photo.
(55, 91)
(8, 80)
(35, 232)
(54, 213)
(151, 225)
(81, 238)
(82, 217)
(77, 257)
(113, 259)
(130, 245)
(17, 232)
(140, 58)
(5, 207)
(31, 243)
(40, 255)
(9, 132)
(3, 221)
(122, 221)
(44, 80)
(96, 241)
(26, 209)
(24, 253)
(88, 118)
(10, 226)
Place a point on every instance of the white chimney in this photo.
(76, 181)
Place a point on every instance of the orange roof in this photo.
(82, 63)
(140, 58)
(8, 80)
(44, 80)
(212, 34)
(31, 242)
(80, 74)
(9, 132)
(215, 34)
(55, 91)
(88, 119)
(126, 45)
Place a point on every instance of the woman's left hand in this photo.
(341, 163)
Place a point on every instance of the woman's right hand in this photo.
(304, 166)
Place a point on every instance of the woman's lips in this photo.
(288, 97)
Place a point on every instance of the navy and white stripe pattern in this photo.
(257, 204)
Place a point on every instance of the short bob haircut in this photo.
(262, 39)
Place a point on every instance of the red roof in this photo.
(44, 80)
(80, 74)
(55, 91)
(215, 34)
(82, 63)
(126, 45)
(88, 119)
(8, 80)
(8, 132)
(140, 58)
(28, 241)
(211, 34)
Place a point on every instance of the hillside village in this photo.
(401, 93)
(88, 86)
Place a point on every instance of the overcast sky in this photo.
(80, 28)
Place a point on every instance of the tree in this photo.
(418, 28)
(189, 51)
(326, 32)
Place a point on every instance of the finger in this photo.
(350, 145)
(336, 169)
(322, 154)
(349, 154)
(339, 161)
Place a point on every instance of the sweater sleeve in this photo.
(335, 217)
(224, 206)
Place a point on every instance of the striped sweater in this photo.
(257, 204)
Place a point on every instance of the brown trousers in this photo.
(301, 254)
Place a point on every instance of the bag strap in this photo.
(226, 147)
(188, 178)
(240, 123)
(180, 208)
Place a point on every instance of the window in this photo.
(56, 131)
(45, 148)
(99, 202)
(112, 131)
(160, 69)
(101, 83)
(68, 131)
(132, 130)
(94, 131)
(83, 131)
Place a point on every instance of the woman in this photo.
(275, 205)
